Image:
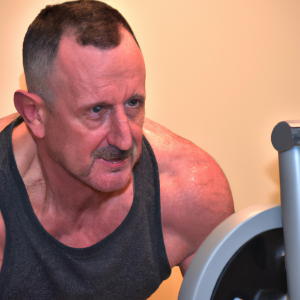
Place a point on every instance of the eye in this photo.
(133, 102)
(97, 109)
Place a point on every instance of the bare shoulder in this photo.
(170, 148)
(185, 162)
(3, 123)
(24, 146)
(195, 194)
(6, 120)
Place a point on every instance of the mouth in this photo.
(114, 160)
(113, 163)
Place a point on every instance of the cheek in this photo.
(65, 142)
(67, 134)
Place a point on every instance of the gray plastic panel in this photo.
(218, 248)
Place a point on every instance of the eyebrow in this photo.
(136, 96)
(100, 103)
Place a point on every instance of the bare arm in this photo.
(210, 203)
(195, 195)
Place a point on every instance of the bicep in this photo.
(209, 203)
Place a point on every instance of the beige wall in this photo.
(220, 73)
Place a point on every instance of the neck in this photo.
(63, 204)
(71, 209)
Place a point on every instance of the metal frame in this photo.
(286, 140)
(221, 245)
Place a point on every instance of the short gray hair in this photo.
(91, 23)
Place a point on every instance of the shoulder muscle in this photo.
(194, 190)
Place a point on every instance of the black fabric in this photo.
(130, 263)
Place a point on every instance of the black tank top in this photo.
(130, 263)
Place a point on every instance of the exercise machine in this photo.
(255, 253)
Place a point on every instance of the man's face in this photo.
(94, 131)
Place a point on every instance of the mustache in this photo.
(112, 153)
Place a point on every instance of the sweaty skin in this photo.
(100, 105)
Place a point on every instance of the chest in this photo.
(93, 226)
(84, 227)
(109, 269)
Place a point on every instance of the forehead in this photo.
(90, 65)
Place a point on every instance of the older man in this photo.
(96, 201)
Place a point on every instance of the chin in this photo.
(110, 183)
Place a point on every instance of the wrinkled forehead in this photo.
(77, 62)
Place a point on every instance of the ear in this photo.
(31, 108)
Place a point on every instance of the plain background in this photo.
(219, 73)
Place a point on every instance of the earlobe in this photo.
(30, 107)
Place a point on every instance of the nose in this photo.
(119, 134)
